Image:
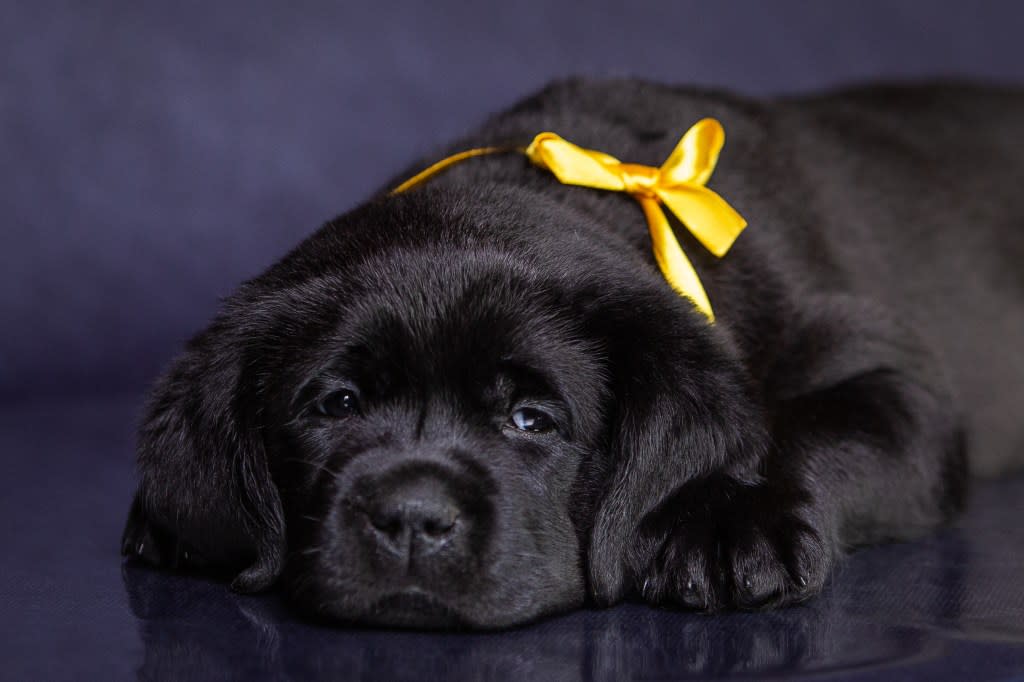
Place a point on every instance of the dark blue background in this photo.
(154, 155)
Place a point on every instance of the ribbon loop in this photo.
(678, 184)
(574, 165)
(695, 157)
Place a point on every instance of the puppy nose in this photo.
(416, 518)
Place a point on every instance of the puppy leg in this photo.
(866, 447)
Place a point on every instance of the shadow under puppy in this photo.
(479, 401)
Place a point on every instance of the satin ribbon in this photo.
(679, 184)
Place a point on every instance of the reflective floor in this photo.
(948, 607)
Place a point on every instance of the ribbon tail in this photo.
(706, 215)
(674, 264)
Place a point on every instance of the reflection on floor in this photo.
(947, 607)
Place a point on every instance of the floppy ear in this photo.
(683, 410)
(206, 498)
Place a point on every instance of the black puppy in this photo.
(479, 401)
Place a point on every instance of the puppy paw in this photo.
(734, 546)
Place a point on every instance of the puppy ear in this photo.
(206, 498)
(683, 409)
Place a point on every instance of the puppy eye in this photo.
(339, 405)
(533, 420)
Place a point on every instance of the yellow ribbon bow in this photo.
(679, 184)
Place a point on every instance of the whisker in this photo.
(301, 460)
(316, 467)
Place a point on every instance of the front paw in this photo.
(728, 545)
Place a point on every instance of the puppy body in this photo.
(869, 323)
(907, 198)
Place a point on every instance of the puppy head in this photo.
(434, 414)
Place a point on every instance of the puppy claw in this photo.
(759, 559)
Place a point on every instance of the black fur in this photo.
(870, 322)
